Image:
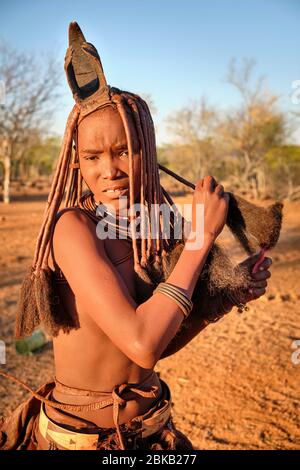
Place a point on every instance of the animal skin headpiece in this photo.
(85, 73)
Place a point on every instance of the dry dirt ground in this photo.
(235, 386)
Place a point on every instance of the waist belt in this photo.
(151, 422)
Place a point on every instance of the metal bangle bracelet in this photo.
(180, 305)
(173, 289)
(178, 292)
(182, 301)
(175, 297)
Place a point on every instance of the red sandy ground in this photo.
(234, 386)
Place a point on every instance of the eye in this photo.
(92, 157)
(123, 153)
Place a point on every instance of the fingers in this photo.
(209, 183)
(259, 281)
(255, 293)
(266, 263)
(226, 197)
(261, 275)
(219, 190)
(251, 261)
(199, 184)
(259, 284)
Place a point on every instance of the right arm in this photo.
(141, 332)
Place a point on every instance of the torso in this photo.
(87, 359)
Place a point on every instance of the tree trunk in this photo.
(6, 183)
(260, 183)
(6, 158)
(290, 187)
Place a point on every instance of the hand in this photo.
(215, 201)
(258, 280)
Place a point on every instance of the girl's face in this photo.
(104, 158)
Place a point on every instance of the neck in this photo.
(106, 211)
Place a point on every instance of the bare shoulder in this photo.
(72, 215)
(75, 232)
(72, 219)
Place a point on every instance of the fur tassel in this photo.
(27, 318)
(39, 303)
(52, 313)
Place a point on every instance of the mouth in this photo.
(117, 192)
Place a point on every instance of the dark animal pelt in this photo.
(253, 227)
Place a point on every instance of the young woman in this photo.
(108, 334)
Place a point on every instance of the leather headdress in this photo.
(85, 73)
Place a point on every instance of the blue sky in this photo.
(172, 49)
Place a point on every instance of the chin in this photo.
(115, 204)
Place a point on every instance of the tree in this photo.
(250, 130)
(40, 158)
(150, 102)
(194, 129)
(284, 162)
(30, 101)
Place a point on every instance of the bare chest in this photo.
(120, 254)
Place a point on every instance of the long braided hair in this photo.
(39, 301)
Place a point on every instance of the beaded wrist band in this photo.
(176, 294)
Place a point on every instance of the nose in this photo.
(109, 167)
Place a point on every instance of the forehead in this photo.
(105, 127)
